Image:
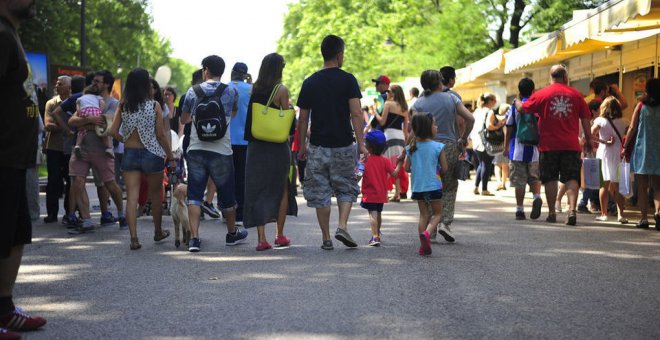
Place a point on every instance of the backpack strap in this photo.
(219, 90)
(198, 91)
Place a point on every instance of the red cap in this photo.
(382, 79)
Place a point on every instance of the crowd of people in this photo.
(344, 149)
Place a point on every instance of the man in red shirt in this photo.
(561, 109)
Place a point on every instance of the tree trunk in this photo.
(515, 27)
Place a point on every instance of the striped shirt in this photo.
(519, 152)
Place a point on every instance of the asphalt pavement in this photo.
(502, 279)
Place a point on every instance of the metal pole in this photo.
(83, 35)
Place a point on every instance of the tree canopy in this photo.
(119, 36)
(422, 34)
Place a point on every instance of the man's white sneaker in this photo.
(446, 233)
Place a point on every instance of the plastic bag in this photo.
(591, 173)
(625, 180)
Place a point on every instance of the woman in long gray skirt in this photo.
(267, 195)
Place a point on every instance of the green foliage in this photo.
(425, 34)
(422, 35)
(551, 15)
(181, 75)
(119, 35)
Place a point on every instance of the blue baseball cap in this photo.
(377, 137)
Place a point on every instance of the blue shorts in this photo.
(372, 206)
(140, 159)
(427, 195)
(220, 168)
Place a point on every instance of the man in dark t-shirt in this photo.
(19, 115)
(333, 98)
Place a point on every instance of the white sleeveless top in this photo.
(144, 120)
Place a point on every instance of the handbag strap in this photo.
(615, 130)
(272, 95)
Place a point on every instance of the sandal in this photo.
(135, 244)
(163, 234)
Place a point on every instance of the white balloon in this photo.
(163, 75)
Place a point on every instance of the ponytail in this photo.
(413, 144)
(484, 98)
(431, 80)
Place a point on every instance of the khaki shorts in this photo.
(522, 173)
(97, 160)
(328, 171)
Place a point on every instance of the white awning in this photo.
(531, 53)
(603, 18)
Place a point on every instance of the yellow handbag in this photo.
(271, 124)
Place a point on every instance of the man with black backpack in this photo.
(210, 107)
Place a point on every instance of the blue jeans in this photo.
(204, 164)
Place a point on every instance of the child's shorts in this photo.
(427, 195)
(372, 206)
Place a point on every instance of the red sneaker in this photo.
(425, 240)
(20, 321)
(263, 246)
(7, 335)
(282, 241)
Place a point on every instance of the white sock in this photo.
(519, 208)
(537, 196)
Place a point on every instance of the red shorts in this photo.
(104, 165)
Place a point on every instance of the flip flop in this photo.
(162, 235)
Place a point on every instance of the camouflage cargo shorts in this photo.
(328, 171)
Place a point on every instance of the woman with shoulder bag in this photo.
(484, 119)
(609, 127)
(267, 197)
(645, 159)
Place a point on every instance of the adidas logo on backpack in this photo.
(209, 119)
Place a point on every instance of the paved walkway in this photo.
(502, 279)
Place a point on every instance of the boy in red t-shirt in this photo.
(374, 181)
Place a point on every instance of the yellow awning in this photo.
(603, 18)
(487, 68)
(531, 53)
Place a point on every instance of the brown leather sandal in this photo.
(163, 234)
(135, 244)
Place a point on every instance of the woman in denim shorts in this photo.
(145, 148)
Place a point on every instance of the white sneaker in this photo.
(446, 233)
(601, 218)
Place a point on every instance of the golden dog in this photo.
(179, 212)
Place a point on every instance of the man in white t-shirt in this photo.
(211, 158)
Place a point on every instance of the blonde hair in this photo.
(485, 98)
(611, 108)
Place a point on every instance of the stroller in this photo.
(173, 175)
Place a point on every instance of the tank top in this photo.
(394, 121)
(144, 121)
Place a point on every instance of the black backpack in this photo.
(210, 120)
